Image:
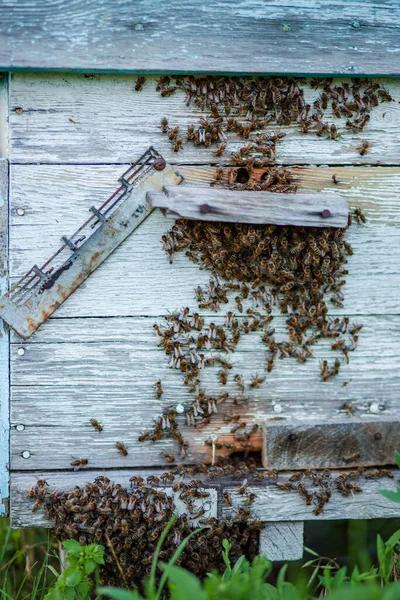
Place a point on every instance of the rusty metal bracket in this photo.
(42, 290)
(341, 443)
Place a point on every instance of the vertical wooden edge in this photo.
(4, 333)
(282, 541)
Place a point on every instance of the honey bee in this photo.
(270, 363)
(94, 423)
(221, 149)
(239, 304)
(257, 381)
(243, 488)
(121, 448)
(353, 458)
(190, 133)
(140, 81)
(178, 144)
(223, 377)
(158, 389)
(168, 457)
(227, 499)
(164, 125)
(364, 147)
(77, 463)
(173, 134)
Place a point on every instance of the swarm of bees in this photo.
(316, 487)
(129, 523)
(246, 105)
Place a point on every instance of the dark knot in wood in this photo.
(205, 208)
(159, 164)
(292, 437)
(325, 214)
(378, 436)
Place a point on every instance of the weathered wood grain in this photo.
(4, 341)
(75, 369)
(141, 264)
(271, 503)
(71, 118)
(214, 36)
(210, 204)
(282, 541)
(322, 444)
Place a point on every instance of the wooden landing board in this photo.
(271, 503)
(76, 369)
(228, 206)
(349, 442)
(212, 36)
(98, 119)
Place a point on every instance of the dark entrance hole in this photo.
(242, 175)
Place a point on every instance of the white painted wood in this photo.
(4, 340)
(210, 204)
(282, 541)
(74, 369)
(71, 118)
(357, 37)
(271, 504)
(141, 264)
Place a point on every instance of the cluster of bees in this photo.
(247, 105)
(129, 523)
(316, 487)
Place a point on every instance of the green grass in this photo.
(25, 555)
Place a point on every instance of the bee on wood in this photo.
(359, 216)
(250, 499)
(190, 133)
(223, 377)
(243, 488)
(257, 381)
(178, 144)
(121, 448)
(168, 457)
(227, 499)
(270, 363)
(158, 389)
(140, 81)
(94, 423)
(221, 149)
(364, 147)
(353, 458)
(164, 125)
(173, 134)
(77, 463)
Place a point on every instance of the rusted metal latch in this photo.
(42, 290)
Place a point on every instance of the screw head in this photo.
(325, 214)
(292, 437)
(20, 212)
(159, 164)
(378, 435)
(26, 454)
(20, 351)
(180, 409)
(204, 209)
(20, 427)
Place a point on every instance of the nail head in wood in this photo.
(159, 164)
(204, 209)
(378, 435)
(326, 213)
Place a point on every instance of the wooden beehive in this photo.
(70, 136)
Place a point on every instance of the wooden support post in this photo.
(282, 541)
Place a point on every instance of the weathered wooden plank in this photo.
(322, 444)
(76, 369)
(282, 541)
(271, 504)
(211, 37)
(209, 204)
(141, 264)
(71, 118)
(4, 338)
